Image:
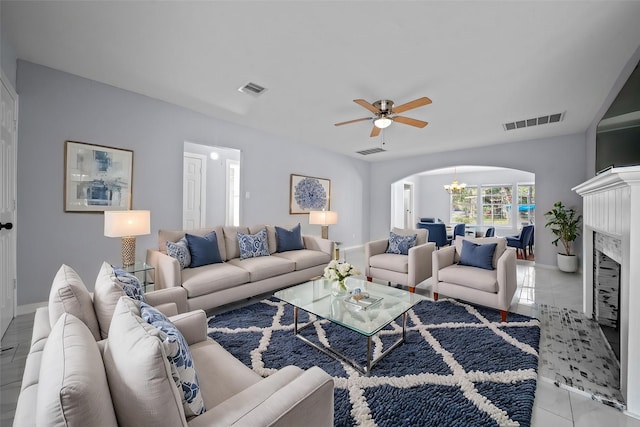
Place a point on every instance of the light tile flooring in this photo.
(553, 407)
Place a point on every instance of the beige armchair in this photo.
(408, 270)
(492, 288)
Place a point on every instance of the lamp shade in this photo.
(323, 217)
(127, 223)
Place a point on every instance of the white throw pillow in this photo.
(135, 357)
(73, 388)
(69, 295)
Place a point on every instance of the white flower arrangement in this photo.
(339, 271)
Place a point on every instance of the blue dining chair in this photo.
(437, 232)
(491, 232)
(523, 240)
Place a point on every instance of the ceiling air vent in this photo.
(371, 151)
(534, 121)
(252, 89)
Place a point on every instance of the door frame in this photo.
(203, 185)
(4, 80)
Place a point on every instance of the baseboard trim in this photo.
(29, 308)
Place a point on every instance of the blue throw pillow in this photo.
(130, 284)
(475, 255)
(180, 360)
(203, 250)
(253, 245)
(180, 251)
(289, 240)
(400, 244)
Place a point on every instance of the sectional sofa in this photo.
(74, 376)
(233, 278)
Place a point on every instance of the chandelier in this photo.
(454, 187)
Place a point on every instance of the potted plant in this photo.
(565, 225)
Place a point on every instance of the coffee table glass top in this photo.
(315, 297)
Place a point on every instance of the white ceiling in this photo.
(482, 63)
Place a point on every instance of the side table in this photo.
(144, 273)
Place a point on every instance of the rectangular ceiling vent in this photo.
(534, 121)
(252, 89)
(371, 151)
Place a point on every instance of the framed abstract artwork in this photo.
(96, 178)
(308, 193)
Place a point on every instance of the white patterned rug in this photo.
(459, 366)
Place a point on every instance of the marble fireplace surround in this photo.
(611, 206)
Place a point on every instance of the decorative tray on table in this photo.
(362, 301)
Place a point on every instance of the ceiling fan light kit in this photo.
(385, 113)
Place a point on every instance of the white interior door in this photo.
(8, 140)
(408, 206)
(193, 187)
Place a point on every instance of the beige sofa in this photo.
(71, 379)
(491, 288)
(234, 279)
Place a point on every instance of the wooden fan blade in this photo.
(412, 104)
(409, 121)
(353, 121)
(366, 105)
(375, 131)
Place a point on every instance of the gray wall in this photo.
(8, 60)
(558, 164)
(56, 106)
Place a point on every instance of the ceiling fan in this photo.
(385, 113)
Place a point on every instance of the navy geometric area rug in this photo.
(459, 365)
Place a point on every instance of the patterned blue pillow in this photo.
(400, 244)
(180, 360)
(253, 245)
(180, 251)
(130, 284)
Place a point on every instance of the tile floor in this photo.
(553, 407)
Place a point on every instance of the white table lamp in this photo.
(127, 224)
(323, 218)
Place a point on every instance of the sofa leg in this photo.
(369, 278)
(435, 296)
(504, 313)
(412, 289)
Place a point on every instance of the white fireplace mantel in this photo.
(611, 205)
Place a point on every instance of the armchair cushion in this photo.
(180, 360)
(69, 295)
(391, 262)
(400, 244)
(476, 278)
(476, 255)
(73, 388)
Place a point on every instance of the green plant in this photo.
(564, 224)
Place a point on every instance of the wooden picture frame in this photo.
(97, 178)
(308, 193)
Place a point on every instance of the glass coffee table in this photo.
(366, 316)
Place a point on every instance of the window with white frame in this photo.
(464, 206)
(496, 205)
